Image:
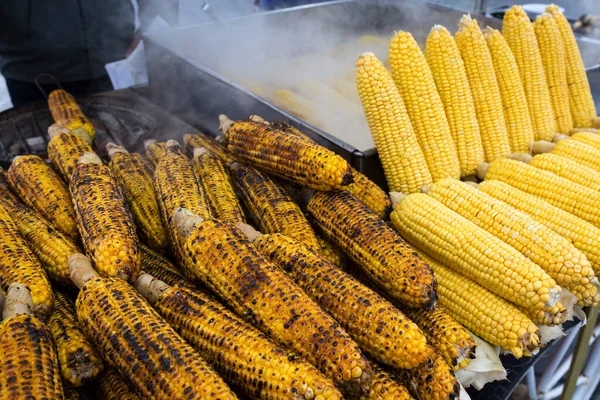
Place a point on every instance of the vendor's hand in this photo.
(137, 36)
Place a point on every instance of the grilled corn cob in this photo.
(581, 101)
(162, 268)
(546, 248)
(30, 367)
(155, 151)
(383, 387)
(560, 192)
(79, 362)
(402, 159)
(381, 253)
(194, 141)
(520, 36)
(41, 188)
(478, 255)
(218, 187)
(112, 387)
(568, 168)
(246, 359)
(425, 109)
(514, 101)
(289, 156)
(484, 88)
(332, 253)
(270, 206)
(448, 70)
(19, 264)
(220, 256)
(64, 150)
(65, 111)
(138, 343)
(135, 180)
(71, 393)
(103, 219)
(589, 138)
(578, 151)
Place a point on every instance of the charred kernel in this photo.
(163, 269)
(384, 387)
(65, 111)
(112, 387)
(197, 140)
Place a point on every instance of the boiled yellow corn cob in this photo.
(105, 224)
(196, 140)
(64, 150)
(112, 387)
(448, 70)
(164, 269)
(30, 367)
(41, 188)
(288, 156)
(425, 109)
(220, 256)
(546, 248)
(560, 192)
(332, 253)
(246, 359)
(512, 92)
(553, 55)
(270, 206)
(486, 314)
(135, 180)
(520, 36)
(147, 353)
(581, 101)
(155, 151)
(449, 338)
(484, 88)
(79, 361)
(383, 387)
(356, 307)
(402, 159)
(218, 187)
(19, 264)
(381, 253)
(65, 111)
(581, 152)
(478, 255)
(589, 138)
(568, 168)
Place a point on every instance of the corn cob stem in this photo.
(150, 288)
(18, 301)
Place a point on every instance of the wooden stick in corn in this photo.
(425, 109)
(384, 387)
(220, 256)
(138, 187)
(512, 92)
(478, 255)
(155, 151)
(29, 362)
(197, 140)
(137, 342)
(40, 187)
(65, 149)
(581, 102)
(255, 365)
(574, 150)
(484, 88)
(567, 168)
(105, 224)
(520, 36)
(403, 161)
(546, 248)
(112, 387)
(448, 70)
(79, 361)
(553, 55)
(65, 111)
(162, 268)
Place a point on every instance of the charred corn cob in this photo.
(402, 159)
(19, 264)
(520, 36)
(332, 253)
(7, 196)
(478, 255)
(546, 248)
(380, 329)
(196, 140)
(113, 387)
(64, 150)
(288, 156)
(65, 111)
(514, 101)
(30, 367)
(246, 359)
(425, 109)
(383, 387)
(220, 256)
(448, 70)
(581, 101)
(484, 88)
(560, 192)
(568, 168)
(135, 180)
(71, 393)
(370, 194)
(162, 268)
(581, 152)
(449, 338)
(381, 253)
(138, 343)
(589, 138)
(155, 151)
(41, 188)
(103, 219)
(79, 362)
(218, 187)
